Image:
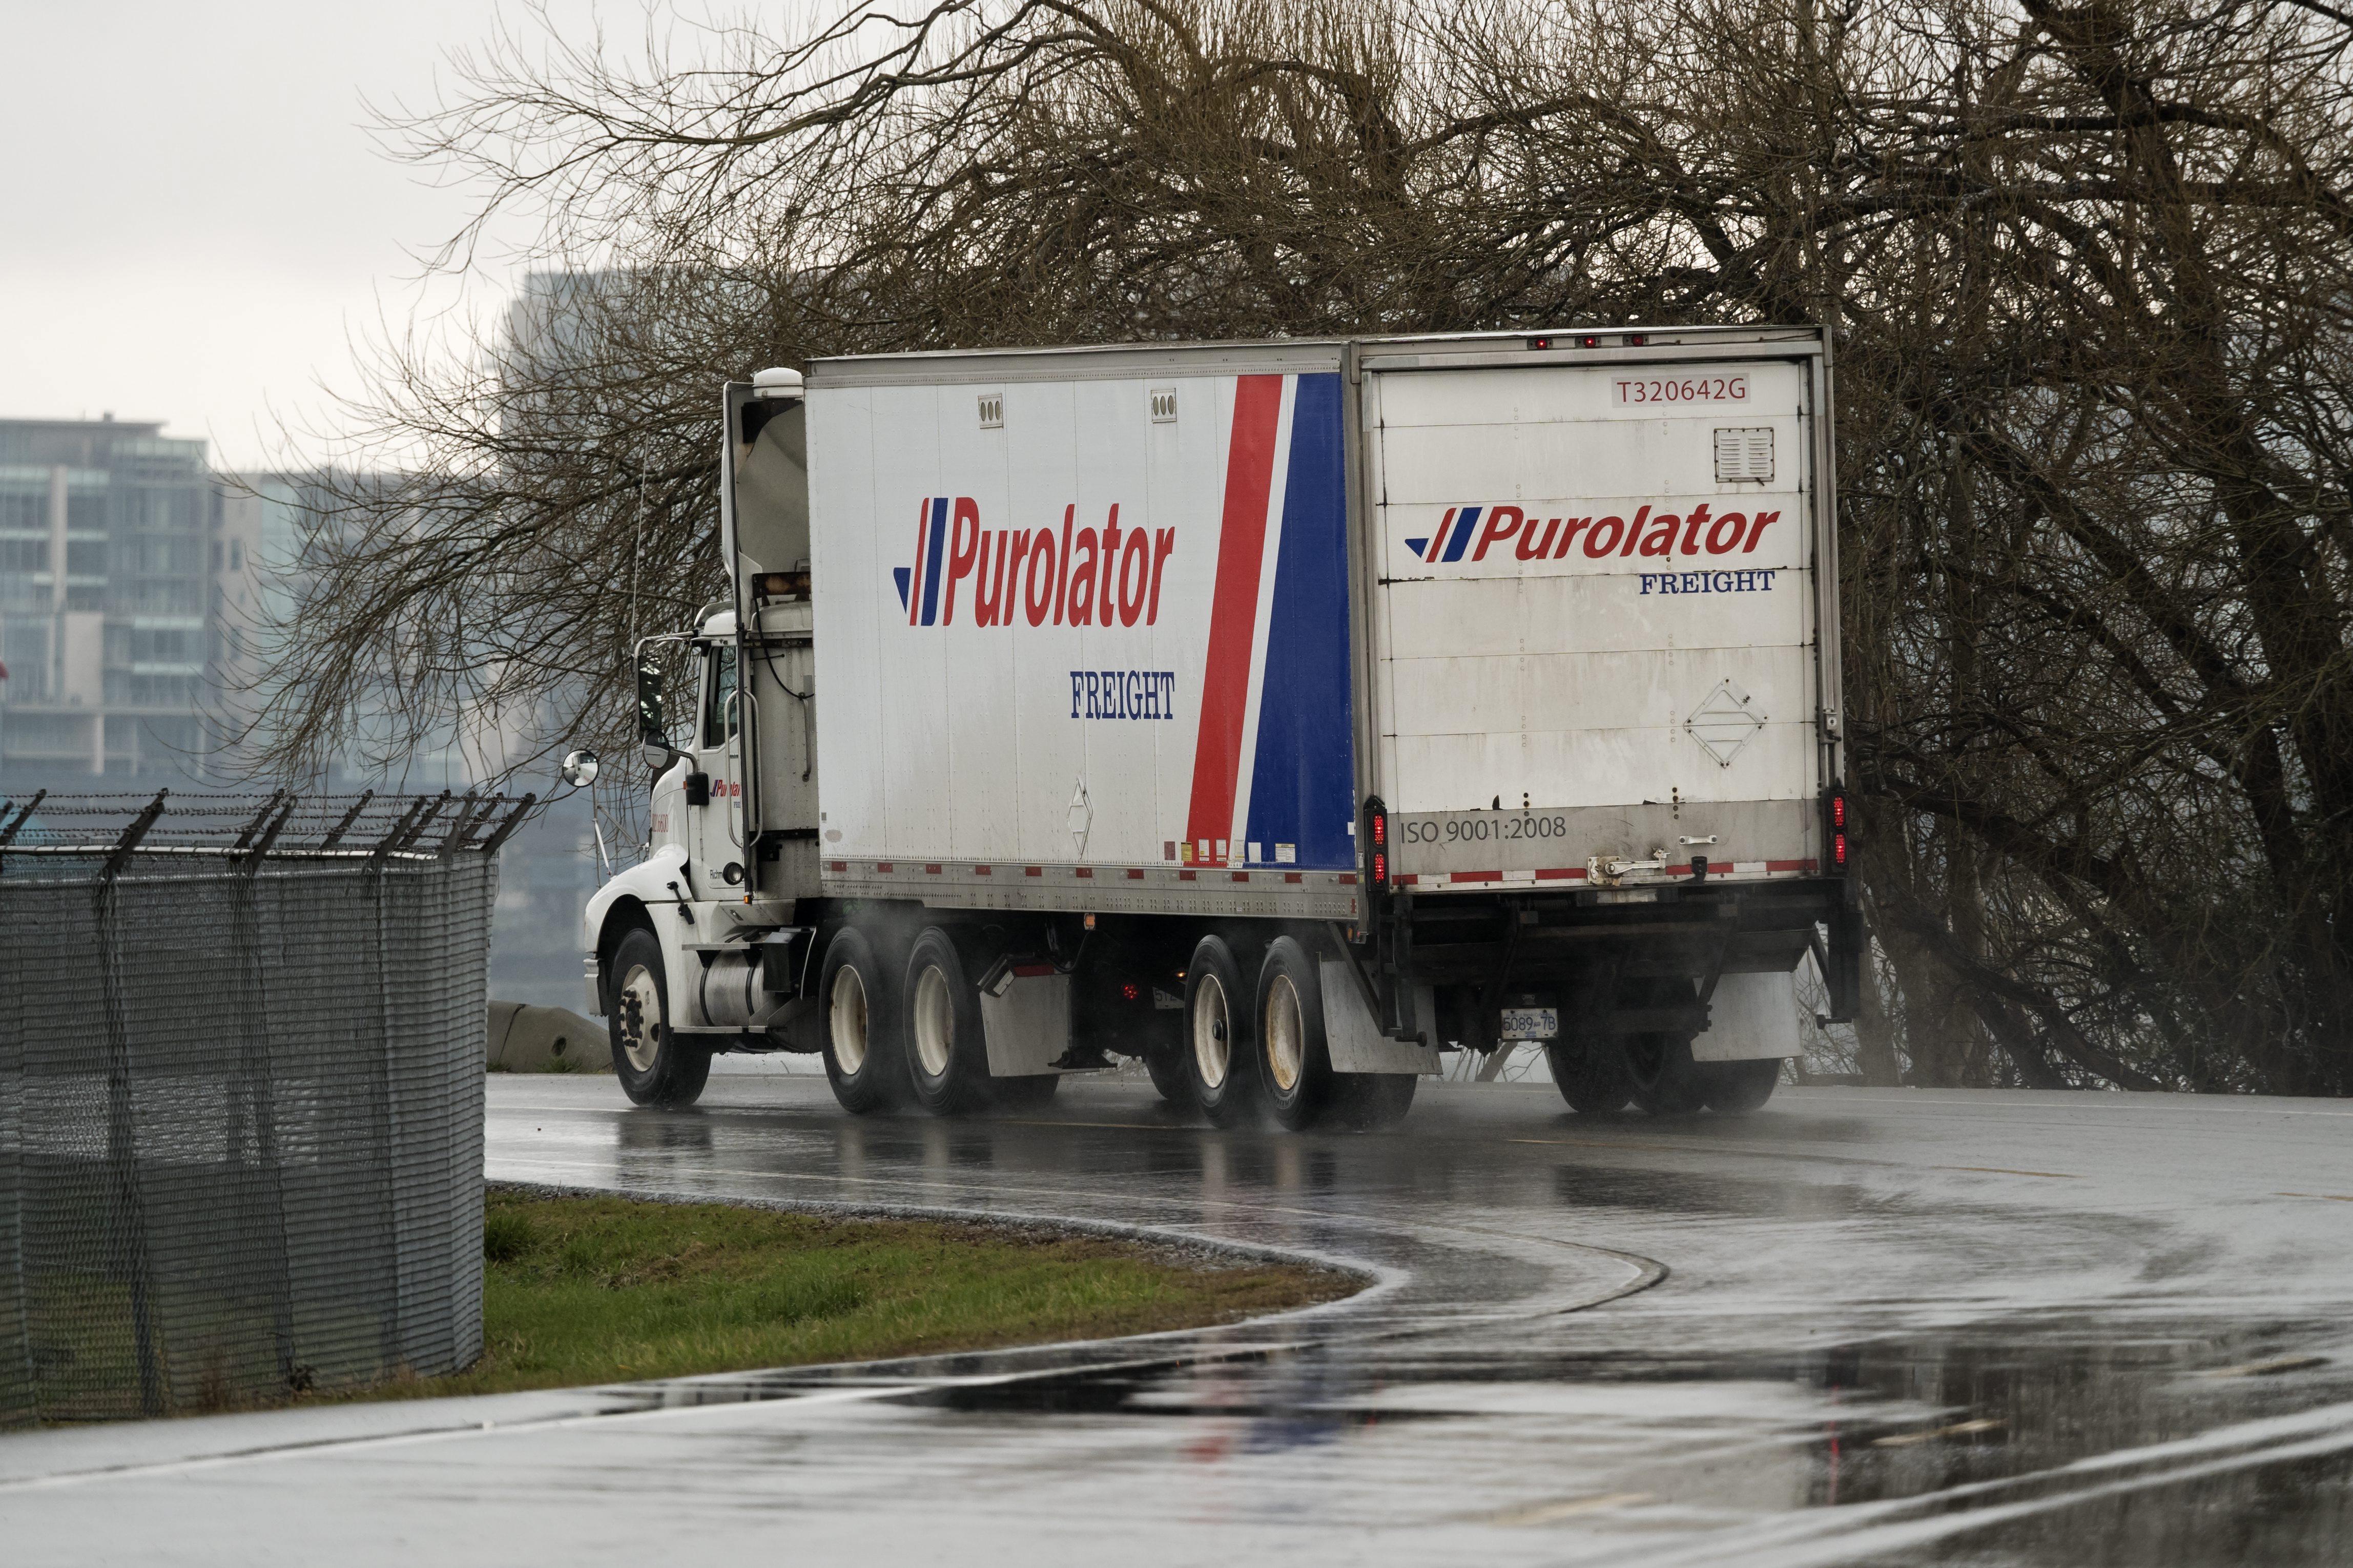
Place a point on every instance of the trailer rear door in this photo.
(1594, 615)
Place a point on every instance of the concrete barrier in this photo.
(526, 1038)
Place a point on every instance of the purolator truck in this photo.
(1281, 714)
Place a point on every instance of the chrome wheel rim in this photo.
(641, 1019)
(1212, 1032)
(846, 1020)
(1287, 1035)
(935, 1018)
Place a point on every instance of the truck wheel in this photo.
(1372, 1102)
(1220, 1063)
(1736, 1089)
(1664, 1079)
(862, 1060)
(947, 1054)
(1592, 1078)
(1033, 1091)
(1170, 1078)
(656, 1065)
(1294, 1055)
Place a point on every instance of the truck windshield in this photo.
(718, 698)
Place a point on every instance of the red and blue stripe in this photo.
(1302, 758)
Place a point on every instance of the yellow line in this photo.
(1547, 1512)
(2006, 1171)
(1902, 1440)
(2265, 1368)
(1668, 1148)
(2329, 1198)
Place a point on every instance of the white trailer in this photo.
(1280, 713)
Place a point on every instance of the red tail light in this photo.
(1376, 835)
(1834, 827)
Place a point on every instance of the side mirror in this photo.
(580, 769)
(653, 728)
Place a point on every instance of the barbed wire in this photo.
(44, 833)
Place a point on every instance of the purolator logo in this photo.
(1085, 576)
(1549, 539)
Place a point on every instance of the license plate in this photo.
(1531, 1023)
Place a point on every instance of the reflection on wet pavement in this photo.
(1869, 1327)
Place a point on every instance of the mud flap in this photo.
(1749, 1016)
(1027, 1024)
(1356, 1040)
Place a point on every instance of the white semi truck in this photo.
(1282, 714)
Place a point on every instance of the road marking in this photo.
(337, 1448)
(2266, 1368)
(2006, 1171)
(1899, 1529)
(2326, 1197)
(1550, 1513)
(1905, 1440)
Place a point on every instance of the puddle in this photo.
(2030, 1428)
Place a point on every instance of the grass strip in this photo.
(605, 1290)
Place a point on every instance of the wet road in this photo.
(1871, 1327)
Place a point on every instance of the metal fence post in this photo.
(491, 844)
(392, 1331)
(335, 836)
(121, 1138)
(20, 1389)
(257, 1073)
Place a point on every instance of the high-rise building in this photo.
(111, 552)
(143, 597)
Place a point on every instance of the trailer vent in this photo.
(1164, 406)
(1743, 455)
(992, 413)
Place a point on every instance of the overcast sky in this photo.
(193, 223)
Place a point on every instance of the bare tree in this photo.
(2089, 268)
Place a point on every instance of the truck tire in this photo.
(947, 1053)
(1372, 1102)
(1736, 1089)
(1220, 1060)
(1294, 1056)
(863, 1060)
(1170, 1078)
(656, 1065)
(1590, 1076)
(1664, 1079)
(1016, 1096)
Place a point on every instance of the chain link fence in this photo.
(241, 1045)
